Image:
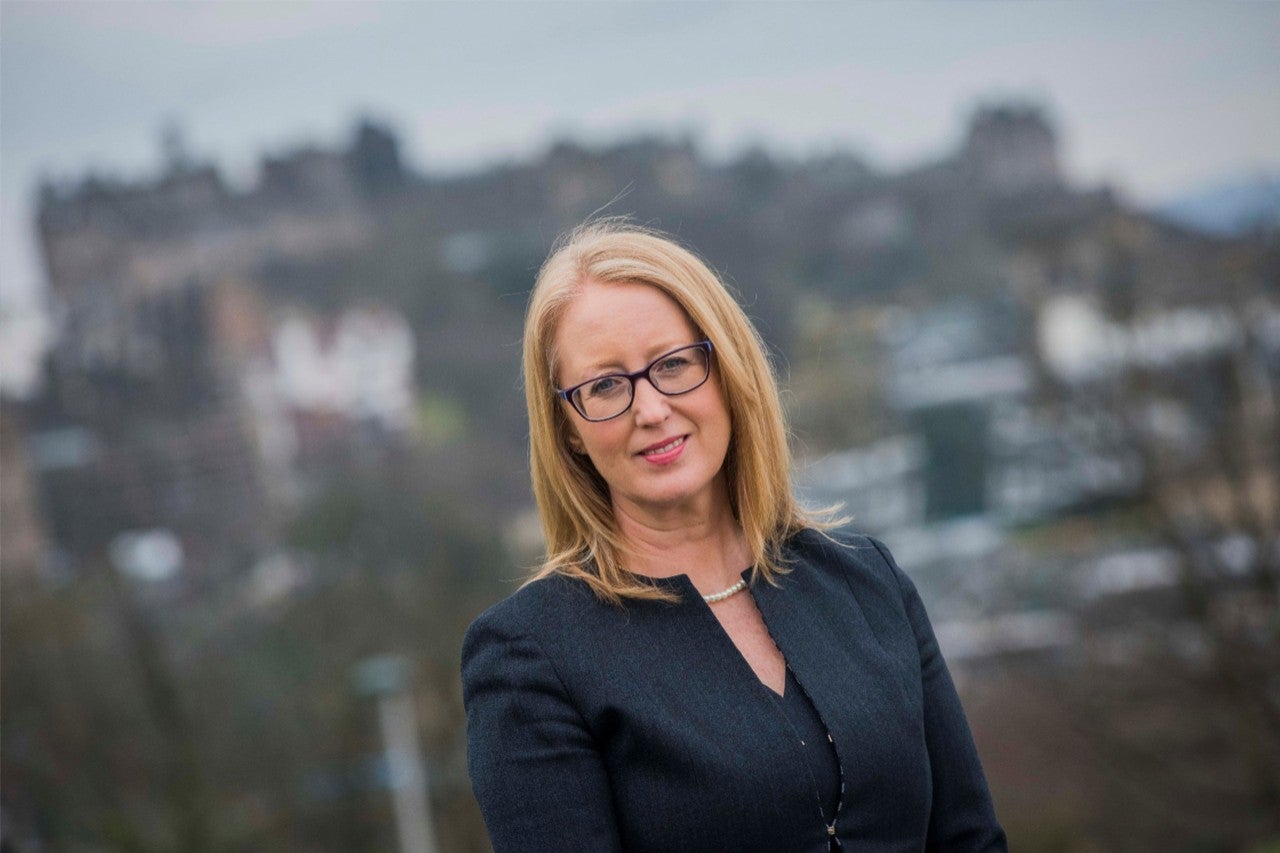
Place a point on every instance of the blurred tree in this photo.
(97, 734)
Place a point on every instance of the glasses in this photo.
(677, 372)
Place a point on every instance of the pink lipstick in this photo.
(665, 451)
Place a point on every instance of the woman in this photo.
(697, 665)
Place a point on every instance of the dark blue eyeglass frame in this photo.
(566, 394)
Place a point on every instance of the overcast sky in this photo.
(1154, 98)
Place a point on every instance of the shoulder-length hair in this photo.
(582, 535)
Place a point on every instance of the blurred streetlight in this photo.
(386, 678)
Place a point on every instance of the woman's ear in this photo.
(576, 445)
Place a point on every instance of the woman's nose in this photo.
(649, 404)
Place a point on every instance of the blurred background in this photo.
(262, 444)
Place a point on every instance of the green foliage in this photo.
(831, 390)
(441, 421)
(284, 746)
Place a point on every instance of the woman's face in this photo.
(666, 453)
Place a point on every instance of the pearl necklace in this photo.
(731, 591)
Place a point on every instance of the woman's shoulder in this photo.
(842, 545)
(539, 611)
(550, 628)
(845, 552)
(828, 565)
(538, 603)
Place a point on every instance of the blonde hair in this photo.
(582, 536)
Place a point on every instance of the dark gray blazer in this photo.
(596, 728)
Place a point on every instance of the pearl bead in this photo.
(721, 596)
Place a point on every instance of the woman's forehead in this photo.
(612, 325)
(628, 307)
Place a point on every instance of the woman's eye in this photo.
(604, 387)
(673, 364)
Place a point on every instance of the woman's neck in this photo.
(709, 547)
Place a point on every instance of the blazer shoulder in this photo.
(531, 610)
(843, 552)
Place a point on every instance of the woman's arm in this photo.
(962, 817)
(535, 771)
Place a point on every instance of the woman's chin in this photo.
(674, 499)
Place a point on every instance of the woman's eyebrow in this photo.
(598, 369)
(650, 354)
(608, 367)
(601, 367)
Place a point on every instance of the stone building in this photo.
(157, 318)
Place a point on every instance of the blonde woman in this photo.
(698, 664)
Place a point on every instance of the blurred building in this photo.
(1012, 149)
(1048, 288)
(24, 536)
(148, 420)
(325, 385)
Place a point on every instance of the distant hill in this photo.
(1230, 208)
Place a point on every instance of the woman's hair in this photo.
(582, 535)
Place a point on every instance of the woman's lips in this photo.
(667, 451)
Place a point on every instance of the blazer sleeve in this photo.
(536, 773)
(963, 817)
